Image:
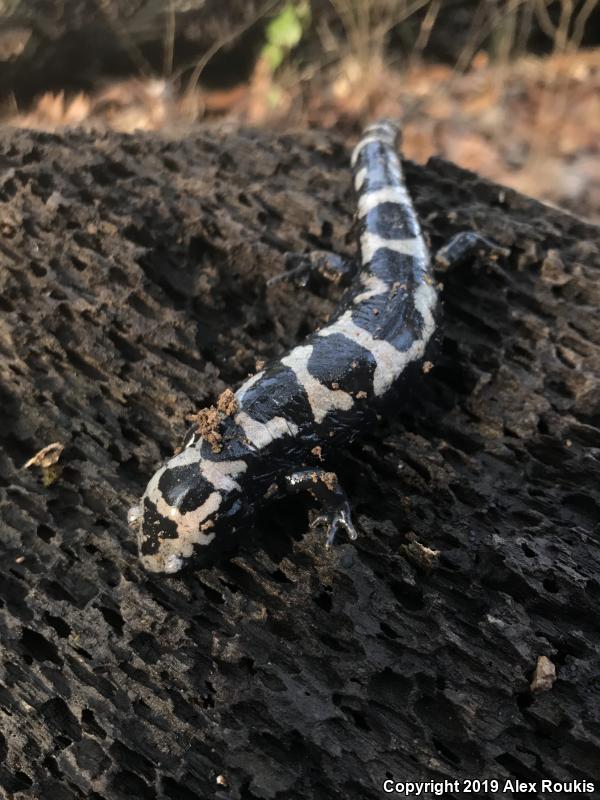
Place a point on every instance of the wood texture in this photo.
(132, 291)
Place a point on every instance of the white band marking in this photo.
(239, 395)
(321, 398)
(373, 286)
(390, 361)
(388, 194)
(359, 178)
(370, 243)
(260, 434)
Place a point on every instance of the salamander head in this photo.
(185, 503)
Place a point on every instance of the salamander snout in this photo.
(177, 516)
(150, 537)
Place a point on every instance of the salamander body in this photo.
(323, 392)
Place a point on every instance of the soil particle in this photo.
(208, 423)
(330, 480)
(226, 403)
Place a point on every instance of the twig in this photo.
(581, 21)
(169, 40)
(426, 27)
(203, 62)
(121, 34)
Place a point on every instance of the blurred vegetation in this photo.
(284, 32)
(508, 88)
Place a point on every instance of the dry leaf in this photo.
(544, 675)
(46, 457)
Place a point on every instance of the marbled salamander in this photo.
(322, 392)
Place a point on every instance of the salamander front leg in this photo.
(467, 245)
(320, 266)
(325, 487)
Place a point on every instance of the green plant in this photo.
(285, 32)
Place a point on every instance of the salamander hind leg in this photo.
(468, 245)
(325, 487)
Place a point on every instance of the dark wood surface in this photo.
(132, 291)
